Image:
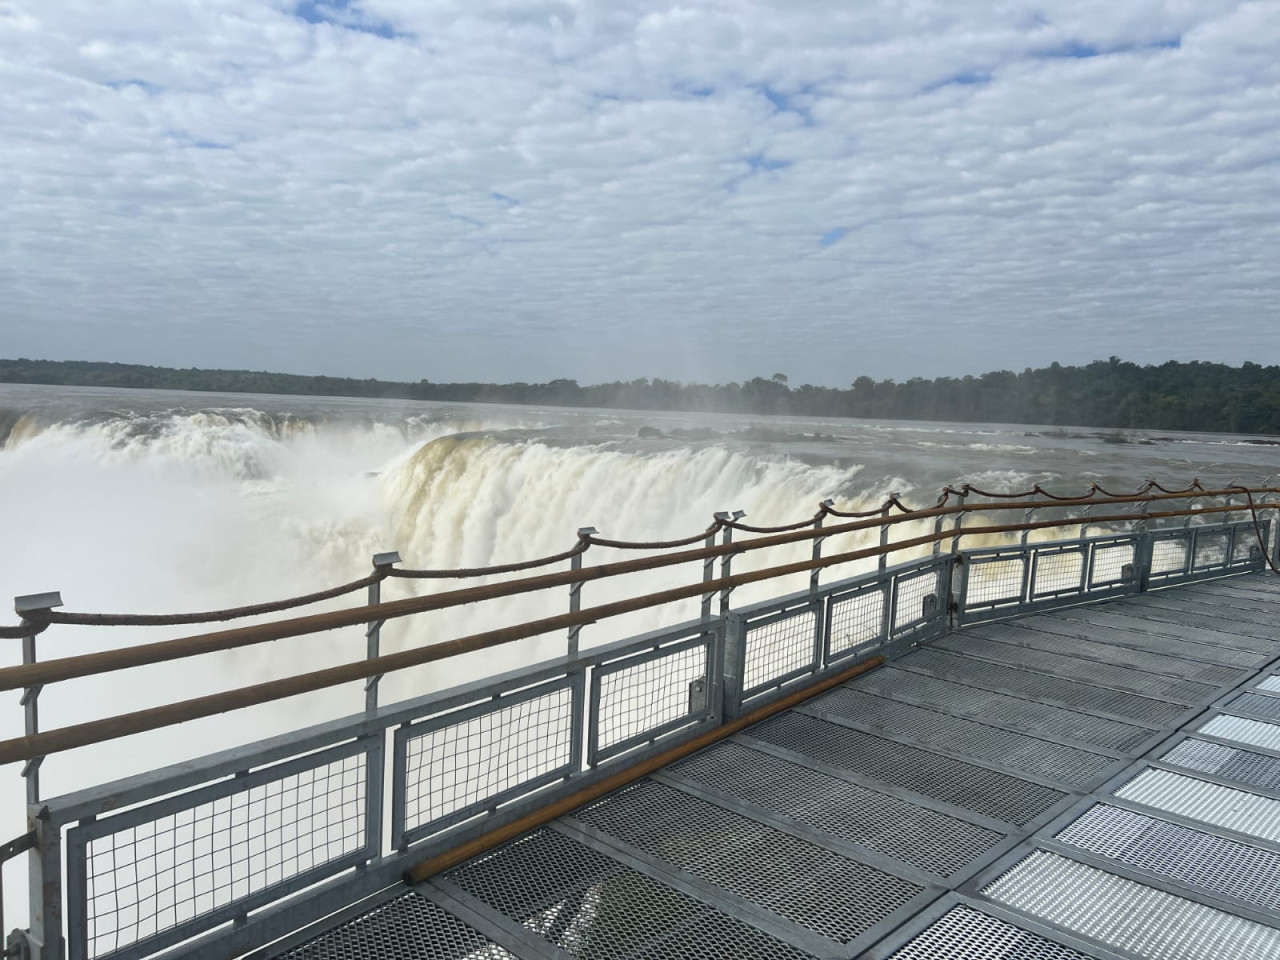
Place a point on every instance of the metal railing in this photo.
(217, 856)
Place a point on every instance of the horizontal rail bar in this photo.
(238, 637)
(110, 728)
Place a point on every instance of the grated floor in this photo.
(1098, 782)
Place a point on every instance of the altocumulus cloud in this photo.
(514, 189)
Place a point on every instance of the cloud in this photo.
(495, 189)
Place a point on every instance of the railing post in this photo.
(1026, 518)
(1084, 527)
(575, 590)
(709, 568)
(817, 544)
(726, 562)
(45, 886)
(956, 528)
(884, 531)
(373, 632)
(1143, 550)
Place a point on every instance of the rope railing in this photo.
(38, 621)
(141, 721)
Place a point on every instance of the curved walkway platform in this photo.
(1101, 781)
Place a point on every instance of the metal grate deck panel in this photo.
(1207, 802)
(966, 738)
(1130, 916)
(1037, 685)
(1184, 855)
(1197, 604)
(406, 928)
(592, 906)
(924, 838)
(977, 703)
(1109, 653)
(1227, 763)
(963, 933)
(1127, 639)
(1090, 671)
(1004, 797)
(1207, 630)
(1255, 704)
(832, 895)
(1255, 733)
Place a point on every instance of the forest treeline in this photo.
(1107, 393)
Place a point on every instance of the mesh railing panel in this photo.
(910, 591)
(857, 622)
(175, 868)
(1169, 556)
(1211, 550)
(642, 696)
(456, 767)
(1109, 563)
(1057, 572)
(995, 581)
(777, 648)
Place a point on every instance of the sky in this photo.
(521, 190)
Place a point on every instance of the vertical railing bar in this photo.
(883, 561)
(959, 523)
(382, 562)
(709, 567)
(575, 590)
(817, 545)
(726, 562)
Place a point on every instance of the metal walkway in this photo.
(1100, 781)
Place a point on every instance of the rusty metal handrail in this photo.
(84, 734)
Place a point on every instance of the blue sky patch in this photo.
(834, 235)
(344, 14)
(758, 162)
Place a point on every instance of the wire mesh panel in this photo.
(1227, 763)
(778, 648)
(155, 875)
(1004, 797)
(857, 621)
(1127, 915)
(1057, 572)
(932, 841)
(1170, 554)
(641, 697)
(592, 906)
(1207, 802)
(920, 598)
(452, 767)
(997, 580)
(832, 895)
(1211, 549)
(1256, 733)
(406, 928)
(1111, 562)
(963, 933)
(1187, 856)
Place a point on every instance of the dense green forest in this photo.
(1106, 393)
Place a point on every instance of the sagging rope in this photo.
(466, 572)
(39, 621)
(209, 616)
(1257, 528)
